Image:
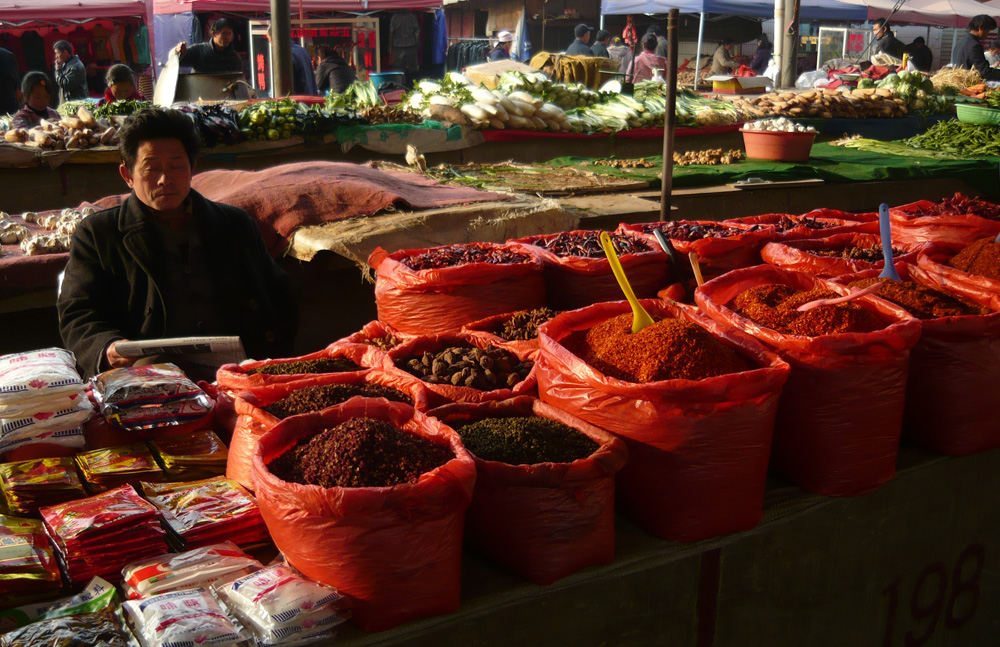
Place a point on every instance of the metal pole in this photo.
(302, 25)
(281, 47)
(697, 56)
(669, 117)
(790, 55)
(778, 40)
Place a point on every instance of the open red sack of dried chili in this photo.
(785, 226)
(577, 272)
(428, 291)
(981, 282)
(543, 520)
(841, 412)
(514, 331)
(954, 368)
(954, 221)
(347, 358)
(837, 214)
(396, 551)
(698, 449)
(834, 255)
(259, 409)
(720, 246)
(459, 367)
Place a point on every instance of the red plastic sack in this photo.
(911, 225)
(483, 328)
(426, 302)
(841, 412)
(698, 450)
(716, 255)
(837, 214)
(441, 394)
(833, 227)
(954, 373)
(793, 255)
(934, 262)
(234, 377)
(574, 281)
(371, 330)
(253, 421)
(676, 292)
(396, 552)
(548, 520)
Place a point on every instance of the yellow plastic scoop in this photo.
(640, 318)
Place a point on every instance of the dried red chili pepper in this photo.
(920, 301)
(981, 258)
(452, 255)
(588, 244)
(774, 306)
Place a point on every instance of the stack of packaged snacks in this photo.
(200, 455)
(99, 535)
(26, 486)
(140, 398)
(28, 568)
(194, 569)
(104, 469)
(191, 617)
(199, 513)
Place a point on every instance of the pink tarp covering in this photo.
(243, 6)
(21, 10)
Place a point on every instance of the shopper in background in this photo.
(621, 53)
(167, 262)
(71, 76)
(643, 66)
(217, 55)
(600, 46)
(885, 41)
(501, 51)
(992, 54)
(121, 85)
(333, 74)
(10, 79)
(580, 46)
(919, 54)
(762, 56)
(970, 54)
(722, 60)
(303, 75)
(404, 41)
(661, 40)
(35, 89)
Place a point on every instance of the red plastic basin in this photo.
(777, 146)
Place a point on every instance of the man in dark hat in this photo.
(580, 46)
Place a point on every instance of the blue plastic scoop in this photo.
(885, 229)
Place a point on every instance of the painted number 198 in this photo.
(936, 598)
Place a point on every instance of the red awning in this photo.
(23, 10)
(264, 6)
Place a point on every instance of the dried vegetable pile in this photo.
(708, 157)
(774, 306)
(920, 301)
(525, 441)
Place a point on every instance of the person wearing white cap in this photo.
(501, 51)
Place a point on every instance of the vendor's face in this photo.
(880, 30)
(586, 37)
(122, 90)
(161, 177)
(222, 38)
(61, 55)
(39, 98)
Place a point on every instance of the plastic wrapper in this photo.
(26, 486)
(27, 563)
(62, 415)
(424, 302)
(910, 225)
(36, 378)
(280, 607)
(104, 469)
(181, 618)
(837, 214)
(933, 261)
(149, 397)
(954, 373)
(235, 377)
(840, 417)
(101, 628)
(394, 552)
(698, 449)
(831, 225)
(43, 444)
(716, 255)
(252, 420)
(198, 456)
(795, 256)
(205, 512)
(97, 595)
(548, 520)
(193, 569)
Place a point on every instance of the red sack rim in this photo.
(588, 265)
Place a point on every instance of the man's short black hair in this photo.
(649, 42)
(602, 36)
(878, 22)
(655, 30)
(63, 45)
(120, 73)
(156, 123)
(32, 80)
(982, 21)
(222, 23)
(919, 40)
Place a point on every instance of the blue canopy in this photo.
(811, 9)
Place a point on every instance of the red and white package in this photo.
(36, 376)
(194, 569)
(146, 397)
(181, 619)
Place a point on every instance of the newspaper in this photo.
(208, 351)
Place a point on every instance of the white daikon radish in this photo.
(429, 87)
(489, 109)
(524, 109)
(484, 96)
(440, 100)
(496, 123)
(474, 112)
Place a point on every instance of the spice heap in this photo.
(307, 366)
(871, 254)
(709, 157)
(588, 244)
(670, 349)
(774, 306)
(525, 441)
(920, 301)
(387, 341)
(689, 231)
(362, 452)
(523, 326)
(478, 368)
(26, 486)
(981, 258)
(317, 398)
(786, 223)
(451, 255)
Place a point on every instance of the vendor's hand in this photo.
(115, 360)
(181, 49)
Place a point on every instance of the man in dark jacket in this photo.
(167, 262)
(71, 76)
(600, 46)
(580, 47)
(10, 81)
(885, 41)
(217, 55)
(970, 53)
(333, 73)
(920, 54)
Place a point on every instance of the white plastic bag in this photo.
(809, 80)
(27, 378)
(181, 618)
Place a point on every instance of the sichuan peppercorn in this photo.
(669, 349)
(523, 326)
(525, 441)
(317, 398)
(774, 306)
(308, 366)
(361, 452)
(920, 301)
(981, 258)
